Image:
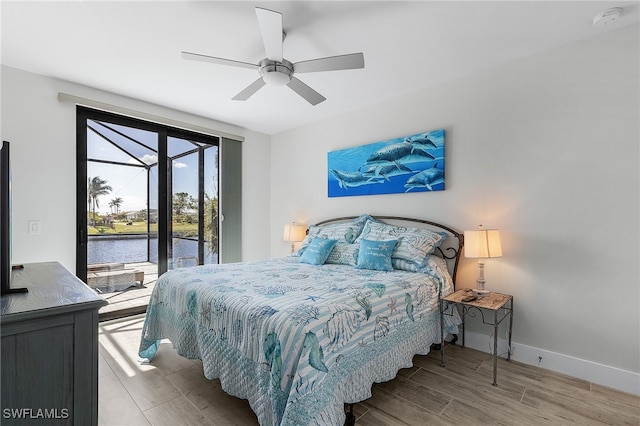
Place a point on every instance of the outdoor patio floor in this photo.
(135, 296)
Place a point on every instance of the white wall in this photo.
(43, 155)
(546, 149)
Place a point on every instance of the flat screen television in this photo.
(5, 222)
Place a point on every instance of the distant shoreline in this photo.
(120, 236)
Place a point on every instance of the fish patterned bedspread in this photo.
(296, 340)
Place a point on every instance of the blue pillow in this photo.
(317, 252)
(376, 255)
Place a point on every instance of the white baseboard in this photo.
(616, 378)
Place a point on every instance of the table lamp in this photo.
(294, 234)
(482, 244)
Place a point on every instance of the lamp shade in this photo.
(294, 233)
(482, 243)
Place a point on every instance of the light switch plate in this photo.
(34, 227)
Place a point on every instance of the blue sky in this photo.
(130, 183)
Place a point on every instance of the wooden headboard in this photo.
(450, 249)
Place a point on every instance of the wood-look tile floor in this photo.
(173, 391)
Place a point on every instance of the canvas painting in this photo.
(407, 164)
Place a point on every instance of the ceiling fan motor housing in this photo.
(276, 73)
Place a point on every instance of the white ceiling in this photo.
(133, 48)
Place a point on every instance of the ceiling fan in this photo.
(277, 71)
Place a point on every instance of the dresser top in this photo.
(52, 290)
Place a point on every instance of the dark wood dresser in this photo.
(49, 348)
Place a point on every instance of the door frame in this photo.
(164, 197)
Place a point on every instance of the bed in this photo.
(301, 336)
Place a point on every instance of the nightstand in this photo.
(501, 305)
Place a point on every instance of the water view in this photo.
(133, 248)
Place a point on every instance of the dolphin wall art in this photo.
(427, 178)
(406, 164)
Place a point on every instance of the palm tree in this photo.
(116, 203)
(95, 188)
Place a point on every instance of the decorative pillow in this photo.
(432, 262)
(405, 265)
(344, 254)
(376, 255)
(437, 266)
(317, 252)
(436, 263)
(346, 232)
(413, 244)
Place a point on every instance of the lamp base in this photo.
(481, 293)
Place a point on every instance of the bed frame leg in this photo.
(351, 418)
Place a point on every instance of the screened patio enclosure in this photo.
(130, 172)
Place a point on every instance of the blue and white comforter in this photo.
(297, 341)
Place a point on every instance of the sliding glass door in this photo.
(147, 203)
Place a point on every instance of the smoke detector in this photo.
(607, 17)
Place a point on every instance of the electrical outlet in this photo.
(539, 360)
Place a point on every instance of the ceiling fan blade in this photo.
(220, 61)
(331, 63)
(249, 90)
(311, 96)
(270, 23)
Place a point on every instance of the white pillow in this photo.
(414, 244)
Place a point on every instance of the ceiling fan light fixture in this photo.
(275, 78)
(276, 73)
